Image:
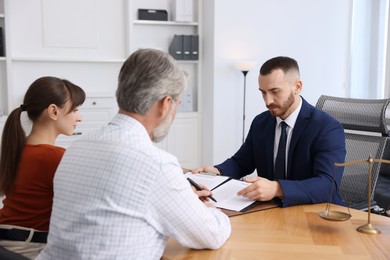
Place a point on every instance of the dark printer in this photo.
(152, 14)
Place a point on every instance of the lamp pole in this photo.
(243, 110)
(244, 67)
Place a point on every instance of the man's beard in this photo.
(285, 106)
(162, 130)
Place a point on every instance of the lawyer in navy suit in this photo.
(315, 142)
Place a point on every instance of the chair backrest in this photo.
(366, 134)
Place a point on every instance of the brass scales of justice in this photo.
(342, 216)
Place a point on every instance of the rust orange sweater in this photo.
(31, 202)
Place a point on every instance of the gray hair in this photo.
(147, 76)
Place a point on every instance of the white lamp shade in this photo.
(245, 65)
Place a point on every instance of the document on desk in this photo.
(224, 191)
(210, 181)
(227, 198)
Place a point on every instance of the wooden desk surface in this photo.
(296, 233)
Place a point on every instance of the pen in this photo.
(197, 187)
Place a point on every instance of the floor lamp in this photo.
(244, 67)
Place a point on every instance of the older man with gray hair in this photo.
(117, 196)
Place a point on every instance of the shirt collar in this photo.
(291, 119)
(130, 123)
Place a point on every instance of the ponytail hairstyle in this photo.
(42, 92)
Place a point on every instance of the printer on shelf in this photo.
(153, 14)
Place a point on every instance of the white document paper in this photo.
(225, 194)
(227, 198)
(207, 180)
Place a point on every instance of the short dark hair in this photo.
(281, 62)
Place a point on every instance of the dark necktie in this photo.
(280, 161)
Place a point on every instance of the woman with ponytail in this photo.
(28, 163)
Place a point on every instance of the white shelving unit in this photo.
(184, 138)
(165, 23)
(3, 76)
(88, 47)
(3, 64)
(97, 110)
(54, 44)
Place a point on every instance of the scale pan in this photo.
(334, 215)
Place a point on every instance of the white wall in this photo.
(315, 33)
(368, 48)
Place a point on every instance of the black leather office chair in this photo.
(366, 134)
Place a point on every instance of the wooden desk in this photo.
(295, 233)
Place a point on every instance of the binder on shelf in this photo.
(184, 47)
(187, 47)
(182, 10)
(1, 43)
(176, 47)
(194, 47)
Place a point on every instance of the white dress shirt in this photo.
(117, 196)
(290, 121)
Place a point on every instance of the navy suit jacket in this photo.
(317, 142)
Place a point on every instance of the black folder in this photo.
(176, 47)
(1, 43)
(194, 47)
(187, 39)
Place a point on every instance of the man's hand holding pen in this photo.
(202, 191)
(202, 194)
